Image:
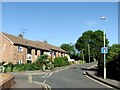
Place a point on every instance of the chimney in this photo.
(20, 35)
(45, 41)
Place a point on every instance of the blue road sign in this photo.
(104, 49)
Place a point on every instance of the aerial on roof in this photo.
(36, 44)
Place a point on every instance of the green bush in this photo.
(31, 66)
(24, 67)
(19, 67)
(38, 65)
(113, 62)
(9, 67)
(66, 61)
(49, 65)
(15, 69)
(58, 62)
(82, 62)
(43, 61)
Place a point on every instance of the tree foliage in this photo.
(69, 48)
(95, 41)
(61, 61)
(114, 52)
(113, 62)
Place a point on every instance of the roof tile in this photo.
(34, 44)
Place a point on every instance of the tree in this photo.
(71, 50)
(113, 62)
(95, 42)
(114, 52)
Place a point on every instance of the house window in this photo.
(20, 48)
(35, 52)
(28, 50)
(29, 61)
(42, 52)
(19, 62)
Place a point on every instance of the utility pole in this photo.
(89, 52)
(83, 55)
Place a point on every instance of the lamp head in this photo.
(103, 18)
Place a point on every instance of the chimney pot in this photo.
(45, 41)
(20, 35)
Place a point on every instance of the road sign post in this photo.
(104, 50)
(104, 18)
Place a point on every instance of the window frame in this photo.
(20, 48)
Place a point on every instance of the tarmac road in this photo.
(71, 77)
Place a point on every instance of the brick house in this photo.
(17, 49)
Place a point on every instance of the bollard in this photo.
(30, 78)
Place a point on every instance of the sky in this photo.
(59, 22)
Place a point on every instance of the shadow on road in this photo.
(91, 69)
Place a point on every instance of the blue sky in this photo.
(59, 23)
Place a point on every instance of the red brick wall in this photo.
(9, 52)
(17, 55)
(0, 48)
(6, 49)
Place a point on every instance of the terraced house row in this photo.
(17, 49)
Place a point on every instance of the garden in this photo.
(42, 63)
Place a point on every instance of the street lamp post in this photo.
(104, 18)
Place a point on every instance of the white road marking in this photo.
(45, 85)
(36, 82)
(60, 70)
(99, 82)
(45, 75)
(48, 86)
(49, 74)
(38, 73)
(29, 73)
(44, 81)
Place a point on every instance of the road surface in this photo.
(69, 77)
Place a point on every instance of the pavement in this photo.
(24, 84)
(91, 72)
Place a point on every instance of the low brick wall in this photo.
(6, 81)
